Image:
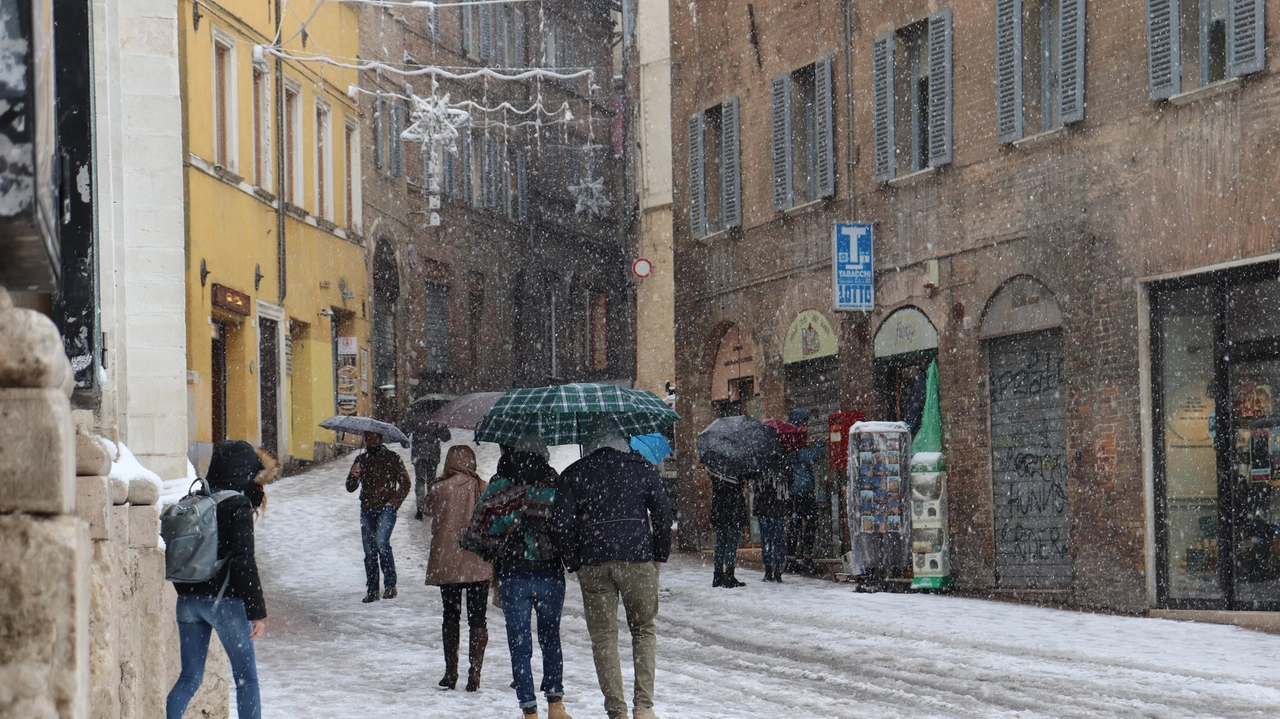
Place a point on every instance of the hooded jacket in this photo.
(383, 478)
(611, 507)
(235, 466)
(450, 503)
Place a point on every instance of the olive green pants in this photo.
(636, 583)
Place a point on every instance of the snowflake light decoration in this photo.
(590, 196)
(433, 120)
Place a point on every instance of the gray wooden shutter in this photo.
(1071, 56)
(488, 174)
(1164, 70)
(882, 107)
(379, 106)
(940, 88)
(730, 165)
(468, 186)
(697, 188)
(520, 39)
(500, 35)
(1246, 37)
(781, 143)
(824, 128)
(467, 23)
(522, 184)
(434, 14)
(448, 160)
(397, 144)
(1009, 69)
(486, 32)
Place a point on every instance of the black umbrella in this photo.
(734, 446)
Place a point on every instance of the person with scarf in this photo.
(238, 613)
(383, 481)
(457, 572)
(517, 535)
(771, 505)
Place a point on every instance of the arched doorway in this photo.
(386, 294)
(1022, 330)
(904, 346)
(733, 377)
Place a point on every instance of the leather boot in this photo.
(452, 638)
(768, 574)
(777, 574)
(475, 652)
(731, 581)
(718, 580)
(555, 710)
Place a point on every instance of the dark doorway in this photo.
(269, 382)
(386, 295)
(218, 383)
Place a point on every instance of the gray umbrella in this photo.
(466, 411)
(360, 425)
(734, 446)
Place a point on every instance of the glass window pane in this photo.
(1254, 311)
(1190, 462)
(1256, 494)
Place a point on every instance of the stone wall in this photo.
(87, 625)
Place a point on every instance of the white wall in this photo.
(141, 234)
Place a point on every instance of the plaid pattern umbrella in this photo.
(564, 414)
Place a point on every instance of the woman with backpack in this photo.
(231, 602)
(516, 508)
(456, 571)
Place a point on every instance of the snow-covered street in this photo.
(807, 648)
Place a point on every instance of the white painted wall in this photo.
(141, 233)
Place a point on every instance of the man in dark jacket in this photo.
(231, 602)
(383, 481)
(615, 521)
(728, 517)
(426, 437)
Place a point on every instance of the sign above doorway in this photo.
(809, 337)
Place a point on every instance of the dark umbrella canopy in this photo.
(360, 425)
(734, 446)
(466, 411)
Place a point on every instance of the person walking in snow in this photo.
(456, 571)
(804, 507)
(383, 481)
(615, 519)
(516, 509)
(771, 506)
(231, 602)
(426, 437)
(728, 517)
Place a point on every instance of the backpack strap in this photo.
(219, 498)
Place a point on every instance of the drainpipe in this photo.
(280, 158)
(850, 152)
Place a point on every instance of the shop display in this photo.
(879, 482)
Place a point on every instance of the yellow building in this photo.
(277, 299)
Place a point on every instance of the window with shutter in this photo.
(394, 140)
(379, 107)
(1009, 69)
(940, 89)
(780, 141)
(1246, 37)
(824, 130)
(1163, 52)
(1071, 53)
(518, 46)
(730, 165)
(697, 206)
(500, 35)
(448, 160)
(486, 32)
(468, 23)
(489, 173)
(882, 111)
(464, 156)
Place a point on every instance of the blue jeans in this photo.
(773, 550)
(196, 619)
(375, 533)
(541, 592)
(726, 556)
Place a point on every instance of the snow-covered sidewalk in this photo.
(805, 649)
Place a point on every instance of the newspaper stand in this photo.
(879, 501)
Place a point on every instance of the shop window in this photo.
(911, 87)
(715, 170)
(802, 137)
(1193, 43)
(1039, 65)
(599, 331)
(904, 346)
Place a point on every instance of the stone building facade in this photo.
(517, 284)
(1074, 224)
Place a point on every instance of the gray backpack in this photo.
(190, 532)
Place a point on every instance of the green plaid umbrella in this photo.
(564, 414)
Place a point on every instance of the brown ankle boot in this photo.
(555, 710)
(452, 638)
(475, 652)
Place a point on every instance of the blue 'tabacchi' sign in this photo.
(852, 269)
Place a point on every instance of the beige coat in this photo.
(450, 502)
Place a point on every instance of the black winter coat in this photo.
(611, 507)
(235, 543)
(728, 505)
